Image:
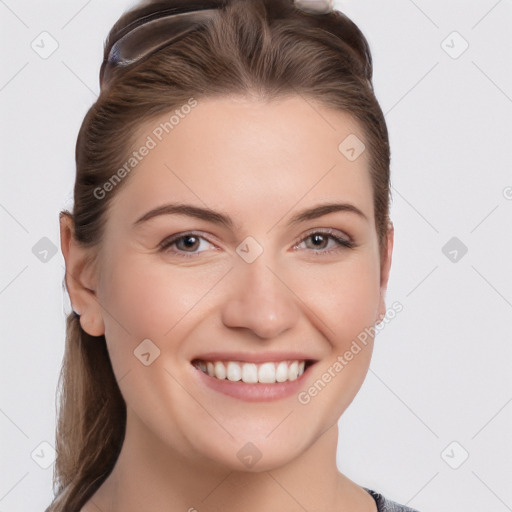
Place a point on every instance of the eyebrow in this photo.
(221, 219)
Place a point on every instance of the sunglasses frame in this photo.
(147, 37)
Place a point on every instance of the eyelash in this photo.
(341, 242)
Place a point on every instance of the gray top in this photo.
(385, 505)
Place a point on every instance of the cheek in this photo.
(147, 297)
(343, 297)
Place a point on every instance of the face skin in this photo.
(260, 164)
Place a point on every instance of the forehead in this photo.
(239, 153)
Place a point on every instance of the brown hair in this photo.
(265, 48)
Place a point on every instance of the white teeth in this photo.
(250, 373)
(220, 371)
(234, 372)
(282, 372)
(293, 371)
(268, 373)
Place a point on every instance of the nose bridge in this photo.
(259, 299)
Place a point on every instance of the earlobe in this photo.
(92, 324)
(385, 271)
(80, 278)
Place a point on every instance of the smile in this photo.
(266, 373)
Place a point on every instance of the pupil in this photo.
(189, 244)
(318, 238)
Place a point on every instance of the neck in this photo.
(149, 476)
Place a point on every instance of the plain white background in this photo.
(431, 425)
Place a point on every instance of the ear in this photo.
(385, 270)
(80, 278)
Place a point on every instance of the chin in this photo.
(253, 451)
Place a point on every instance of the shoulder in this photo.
(386, 505)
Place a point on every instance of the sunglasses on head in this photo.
(150, 34)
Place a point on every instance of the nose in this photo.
(259, 300)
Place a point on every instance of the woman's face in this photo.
(257, 277)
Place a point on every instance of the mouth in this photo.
(267, 372)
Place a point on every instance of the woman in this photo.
(227, 259)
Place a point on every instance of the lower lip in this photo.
(257, 392)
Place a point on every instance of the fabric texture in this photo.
(385, 505)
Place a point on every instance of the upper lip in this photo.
(260, 357)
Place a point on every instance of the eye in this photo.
(321, 241)
(187, 244)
